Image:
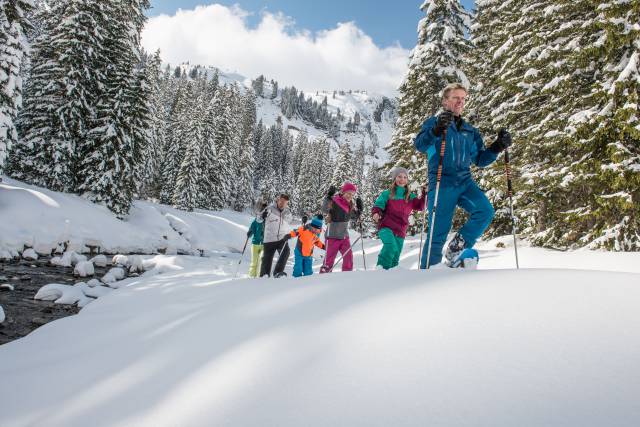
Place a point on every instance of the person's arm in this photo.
(319, 244)
(426, 140)
(485, 156)
(252, 229)
(417, 203)
(380, 204)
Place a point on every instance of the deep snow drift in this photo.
(190, 347)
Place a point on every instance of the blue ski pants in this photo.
(302, 265)
(470, 198)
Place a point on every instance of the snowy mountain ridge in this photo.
(368, 106)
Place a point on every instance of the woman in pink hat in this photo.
(339, 209)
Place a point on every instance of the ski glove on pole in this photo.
(265, 214)
(304, 219)
(502, 142)
(359, 205)
(444, 120)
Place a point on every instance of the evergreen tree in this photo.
(370, 191)
(436, 60)
(344, 166)
(14, 25)
(115, 141)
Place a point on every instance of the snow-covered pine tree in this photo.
(604, 178)
(304, 192)
(286, 161)
(114, 143)
(344, 166)
(174, 147)
(60, 94)
(190, 174)
(437, 59)
(266, 168)
(359, 158)
(14, 26)
(148, 179)
(371, 190)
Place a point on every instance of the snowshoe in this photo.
(468, 259)
(454, 249)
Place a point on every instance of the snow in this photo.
(1, 314)
(554, 343)
(35, 217)
(99, 260)
(30, 254)
(84, 269)
(191, 347)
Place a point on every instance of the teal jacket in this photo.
(256, 229)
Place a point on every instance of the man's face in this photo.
(282, 203)
(455, 101)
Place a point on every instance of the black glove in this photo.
(444, 120)
(305, 219)
(286, 237)
(331, 192)
(359, 204)
(249, 233)
(502, 142)
(265, 214)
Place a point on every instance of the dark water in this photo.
(23, 313)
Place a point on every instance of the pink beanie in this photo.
(347, 186)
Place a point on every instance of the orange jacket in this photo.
(306, 240)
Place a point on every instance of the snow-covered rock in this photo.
(6, 287)
(93, 283)
(121, 260)
(113, 275)
(84, 269)
(1, 314)
(45, 249)
(136, 264)
(63, 294)
(30, 254)
(99, 260)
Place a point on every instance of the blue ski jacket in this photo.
(463, 146)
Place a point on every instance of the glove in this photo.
(502, 142)
(265, 214)
(304, 219)
(331, 192)
(359, 204)
(444, 120)
(286, 237)
(249, 233)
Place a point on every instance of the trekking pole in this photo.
(507, 169)
(345, 252)
(364, 258)
(424, 216)
(241, 256)
(435, 200)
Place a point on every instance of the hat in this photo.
(397, 171)
(316, 223)
(348, 186)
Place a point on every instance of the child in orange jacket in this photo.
(308, 237)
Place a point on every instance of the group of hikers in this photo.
(451, 145)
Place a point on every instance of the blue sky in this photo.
(386, 22)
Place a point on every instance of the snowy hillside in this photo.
(348, 102)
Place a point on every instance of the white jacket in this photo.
(277, 224)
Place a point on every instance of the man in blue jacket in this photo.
(463, 146)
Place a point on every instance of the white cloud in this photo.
(340, 58)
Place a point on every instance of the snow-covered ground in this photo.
(554, 343)
(44, 219)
